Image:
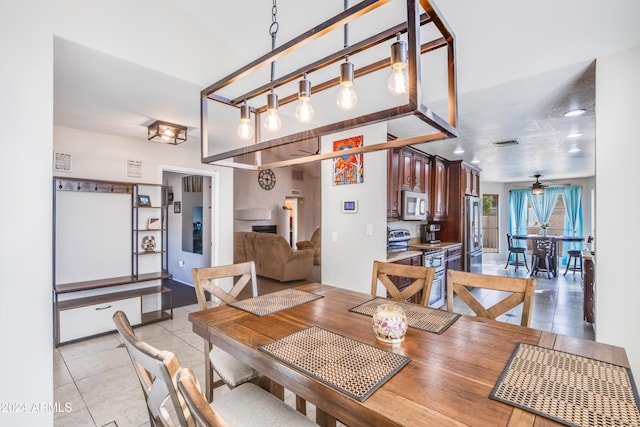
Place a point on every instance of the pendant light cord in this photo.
(273, 31)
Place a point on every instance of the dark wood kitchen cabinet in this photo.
(453, 257)
(440, 193)
(408, 169)
(393, 185)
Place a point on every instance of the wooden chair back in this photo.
(205, 281)
(521, 291)
(422, 280)
(156, 370)
(203, 414)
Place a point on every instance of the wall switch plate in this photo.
(369, 229)
(334, 236)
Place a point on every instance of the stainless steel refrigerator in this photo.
(472, 236)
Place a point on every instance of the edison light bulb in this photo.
(398, 82)
(347, 98)
(245, 130)
(304, 111)
(272, 122)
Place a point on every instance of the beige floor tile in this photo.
(80, 418)
(68, 395)
(87, 347)
(110, 384)
(94, 364)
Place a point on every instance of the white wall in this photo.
(26, 137)
(248, 194)
(617, 153)
(347, 259)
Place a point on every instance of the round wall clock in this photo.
(267, 179)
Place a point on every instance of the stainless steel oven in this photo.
(434, 258)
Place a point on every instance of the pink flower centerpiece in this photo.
(390, 323)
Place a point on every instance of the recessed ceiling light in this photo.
(573, 113)
(458, 150)
(574, 150)
(475, 161)
(575, 134)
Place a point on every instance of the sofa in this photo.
(313, 244)
(273, 256)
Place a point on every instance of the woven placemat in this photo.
(419, 317)
(571, 389)
(276, 301)
(349, 366)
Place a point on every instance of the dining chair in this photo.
(159, 372)
(246, 405)
(516, 251)
(421, 281)
(543, 257)
(521, 291)
(231, 371)
(156, 370)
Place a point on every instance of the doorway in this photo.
(291, 204)
(191, 238)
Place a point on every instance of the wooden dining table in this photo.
(447, 381)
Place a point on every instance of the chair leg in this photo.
(508, 259)
(546, 264)
(525, 261)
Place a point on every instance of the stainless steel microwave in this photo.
(414, 206)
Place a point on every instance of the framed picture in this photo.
(348, 169)
(144, 201)
(176, 207)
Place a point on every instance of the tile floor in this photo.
(97, 378)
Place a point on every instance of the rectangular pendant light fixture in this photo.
(244, 92)
(166, 132)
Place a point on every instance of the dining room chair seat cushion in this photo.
(231, 370)
(250, 405)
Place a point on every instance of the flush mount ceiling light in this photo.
(576, 112)
(458, 150)
(312, 56)
(166, 132)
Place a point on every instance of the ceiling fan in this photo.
(537, 188)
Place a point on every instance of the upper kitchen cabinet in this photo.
(471, 179)
(408, 169)
(393, 185)
(440, 192)
(414, 170)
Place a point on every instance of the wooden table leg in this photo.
(324, 419)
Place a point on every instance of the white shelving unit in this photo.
(99, 263)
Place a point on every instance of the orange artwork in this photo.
(348, 169)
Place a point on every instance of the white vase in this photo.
(390, 323)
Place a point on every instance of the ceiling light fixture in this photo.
(475, 161)
(304, 110)
(398, 82)
(575, 134)
(245, 130)
(574, 150)
(246, 85)
(458, 150)
(166, 132)
(272, 122)
(576, 112)
(347, 97)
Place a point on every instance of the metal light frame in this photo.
(156, 132)
(443, 129)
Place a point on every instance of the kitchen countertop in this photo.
(416, 248)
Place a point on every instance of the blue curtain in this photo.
(518, 217)
(573, 217)
(543, 205)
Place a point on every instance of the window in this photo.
(490, 228)
(556, 221)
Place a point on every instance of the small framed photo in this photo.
(176, 207)
(144, 201)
